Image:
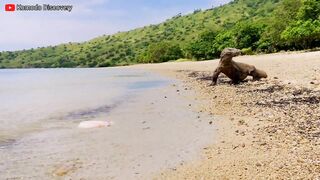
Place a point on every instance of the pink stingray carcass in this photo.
(94, 124)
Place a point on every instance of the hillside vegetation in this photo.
(252, 25)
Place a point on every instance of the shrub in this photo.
(247, 51)
(161, 52)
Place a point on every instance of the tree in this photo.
(161, 52)
(305, 31)
(303, 34)
(247, 34)
(309, 10)
(203, 47)
(223, 40)
(283, 15)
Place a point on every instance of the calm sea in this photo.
(38, 99)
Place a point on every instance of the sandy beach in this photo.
(271, 128)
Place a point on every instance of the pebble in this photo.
(263, 144)
(258, 164)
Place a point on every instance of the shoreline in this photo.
(273, 125)
(148, 133)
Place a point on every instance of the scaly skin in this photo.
(236, 71)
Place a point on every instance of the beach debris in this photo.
(64, 170)
(94, 124)
(146, 128)
(67, 168)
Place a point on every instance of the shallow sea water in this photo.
(37, 99)
(154, 127)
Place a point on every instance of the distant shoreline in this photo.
(137, 64)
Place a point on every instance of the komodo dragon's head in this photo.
(230, 53)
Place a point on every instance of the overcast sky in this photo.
(88, 19)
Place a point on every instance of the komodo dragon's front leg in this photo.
(216, 75)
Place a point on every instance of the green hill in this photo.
(200, 35)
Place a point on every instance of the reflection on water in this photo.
(36, 99)
(88, 113)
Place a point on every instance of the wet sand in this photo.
(154, 130)
(271, 128)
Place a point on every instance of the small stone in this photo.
(300, 161)
(210, 122)
(258, 164)
(241, 122)
(263, 144)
